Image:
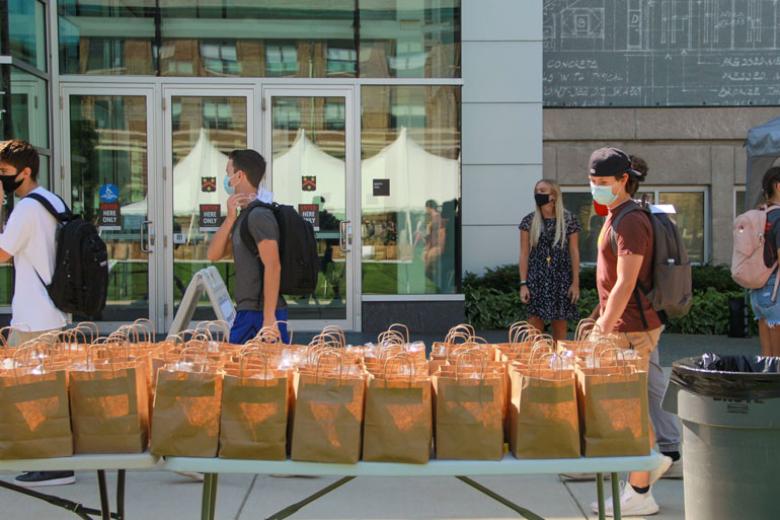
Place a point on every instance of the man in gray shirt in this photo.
(258, 275)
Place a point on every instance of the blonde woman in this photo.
(550, 261)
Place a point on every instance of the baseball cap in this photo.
(609, 162)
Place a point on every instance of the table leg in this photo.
(120, 494)
(600, 495)
(105, 507)
(616, 496)
(209, 503)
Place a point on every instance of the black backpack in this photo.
(80, 281)
(297, 248)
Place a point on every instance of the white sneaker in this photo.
(659, 472)
(676, 471)
(631, 503)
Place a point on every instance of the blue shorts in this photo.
(248, 323)
(763, 306)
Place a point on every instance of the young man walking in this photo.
(29, 238)
(624, 310)
(258, 274)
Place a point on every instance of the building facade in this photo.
(399, 128)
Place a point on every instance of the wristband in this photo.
(523, 282)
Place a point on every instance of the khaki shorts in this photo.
(644, 343)
(19, 337)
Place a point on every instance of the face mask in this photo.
(542, 198)
(603, 194)
(229, 189)
(10, 184)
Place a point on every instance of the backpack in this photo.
(748, 267)
(79, 284)
(297, 248)
(671, 295)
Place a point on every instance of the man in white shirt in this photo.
(29, 238)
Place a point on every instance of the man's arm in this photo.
(220, 244)
(268, 251)
(628, 267)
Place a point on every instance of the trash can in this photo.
(730, 411)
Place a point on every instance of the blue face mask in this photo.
(230, 190)
(603, 194)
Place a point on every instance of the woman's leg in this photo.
(764, 337)
(559, 329)
(774, 340)
(536, 322)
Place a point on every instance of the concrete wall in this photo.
(682, 146)
(502, 125)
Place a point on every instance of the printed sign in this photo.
(109, 217)
(381, 187)
(108, 193)
(210, 218)
(310, 213)
(309, 183)
(208, 184)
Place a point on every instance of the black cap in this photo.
(610, 162)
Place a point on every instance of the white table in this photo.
(436, 468)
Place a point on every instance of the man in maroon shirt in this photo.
(621, 274)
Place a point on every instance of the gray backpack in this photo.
(672, 292)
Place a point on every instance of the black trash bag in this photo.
(729, 377)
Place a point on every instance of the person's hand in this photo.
(574, 293)
(235, 201)
(525, 294)
(270, 324)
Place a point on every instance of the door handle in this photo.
(345, 232)
(145, 247)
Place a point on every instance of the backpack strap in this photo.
(65, 216)
(245, 234)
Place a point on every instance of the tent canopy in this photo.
(763, 151)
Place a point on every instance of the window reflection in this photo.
(689, 207)
(27, 31)
(29, 108)
(410, 189)
(272, 38)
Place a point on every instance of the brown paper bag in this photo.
(469, 414)
(109, 406)
(255, 406)
(185, 421)
(398, 419)
(328, 415)
(613, 406)
(34, 411)
(543, 415)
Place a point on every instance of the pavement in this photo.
(162, 495)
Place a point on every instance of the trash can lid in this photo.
(735, 377)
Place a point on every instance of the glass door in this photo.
(108, 178)
(201, 127)
(309, 144)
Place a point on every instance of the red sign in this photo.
(310, 213)
(109, 216)
(210, 217)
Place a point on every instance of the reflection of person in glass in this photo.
(433, 238)
(258, 302)
(329, 268)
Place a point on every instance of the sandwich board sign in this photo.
(206, 281)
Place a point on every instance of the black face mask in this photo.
(10, 184)
(542, 198)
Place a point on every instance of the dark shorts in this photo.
(248, 323)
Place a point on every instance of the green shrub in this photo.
(493, 300)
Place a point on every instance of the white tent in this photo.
(302, 159)
(415, 176)
(204, 160)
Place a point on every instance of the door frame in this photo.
(62, 183)
(168, 91)
(352, 320)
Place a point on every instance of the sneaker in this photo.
(45, 478)
(659, 472)
(631, 503)
(676, 471)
